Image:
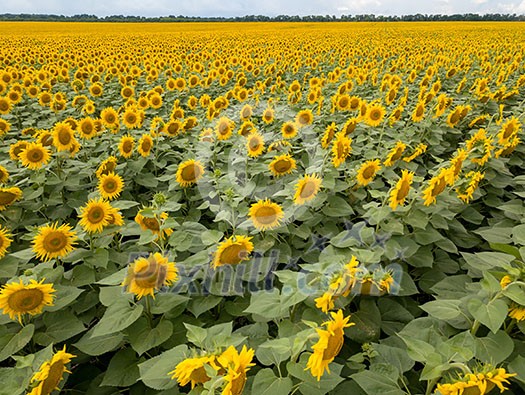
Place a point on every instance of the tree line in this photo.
(264, 18)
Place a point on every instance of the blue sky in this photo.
(260, 7)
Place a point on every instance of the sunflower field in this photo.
(262, 208)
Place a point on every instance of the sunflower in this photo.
(466, 193)
(436, 185)
(342, 102)
(304, 118)
(63, 136)
(51, 372)
(107, 166)
(329, 344)
(508, 148)
(189, 172)
(236, 365)
(395, 154)
(126, 146)
(509, 129)
(480, 382)
(307, 188)
(224, 128)
(246, 128)
(375, 113)
(145, 275)
(127, 91)
(34, 156)
(349, 126)
(233, 251)
(131, 118)
(17, 299)
(419, 112)
(246, 112)
(95, 215)
(289, 130)
(517, 312)
(207, 135)
(454, 117)
(86, 128)
(153, 224)
(53, 241)
(266, 214)
(400, 191)
(192, 370)
(367, 172)
(145, 145)
(268, 115)
(5, 105)
(328, 135)
(281, 165)
(420, 149)
(4, 175)
(173, 127)
(110, 185)
(4, 127)
(5, 241)
(341, 149)
(109, 118)
(455, 166)
(255, 145)
(8, 196)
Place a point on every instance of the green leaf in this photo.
(117, 317)
(124, 204)
(11, 344)
(518, 234)
(374, 383)
(201, 304)
(14, 380)
(210, 237)
(64, 296)
(487, 260)
(266, 304)
(518, 366)
(273, 352)
(443, 309)
(460, 348)
(494, 348)
(309, 385)
(267, 383)
(60, 326)
(95, 346)
(165, 302)
(8, 266)
(122, 370)
(491, 314)
(418, 350)
(515, 292)
(394, 356)
(434, 367)
(155, 372)
(367, 322)
(143, 338)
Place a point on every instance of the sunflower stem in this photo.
(148, 311)
(431, 384)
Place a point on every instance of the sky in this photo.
(260, 7)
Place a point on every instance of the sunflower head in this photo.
(281, 165)
(224, 128)
(145, 275)
(266, 214)
(5, 241)
(304, 118)
(8, 196)
(367, 172)
(17, 299)
(289, 130)
(53, 241)
(51, 372)
(189, 172)
(110, 185)
(95, 215)
(233, 251)
(126, 146)
(400, 191)
(192, 370)
(34, 156)
(255, 145)
(307, 188)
